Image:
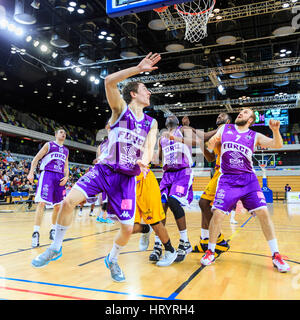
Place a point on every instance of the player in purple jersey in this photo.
(54, 167)
(130, 148)
(238, 180)
(176, 183)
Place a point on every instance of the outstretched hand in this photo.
(274, 124)
(147, 64)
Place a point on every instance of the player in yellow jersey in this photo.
(149, 208)
(208, 197)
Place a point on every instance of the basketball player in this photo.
(208, 195)
(54, 175)
(130, 148)
(239, 181)
(176, 184)
(150, 209)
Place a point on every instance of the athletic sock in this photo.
(211, 246)
(204, 234)
(60, 232)
(168, 246)
(114, 253)
(183, 235)
(36, 228)
(273, 246)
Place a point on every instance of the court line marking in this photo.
(65, 240)
(84, 288)
(45, 293)
(184, 284)
(173, 295)
(100, 258)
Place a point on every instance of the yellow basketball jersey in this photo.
(217, 152)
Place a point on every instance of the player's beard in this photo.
(240, 122)
(218, 123)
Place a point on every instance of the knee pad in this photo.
(176, 208)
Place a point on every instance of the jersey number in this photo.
(237, 137)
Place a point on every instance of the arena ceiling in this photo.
(252, 50)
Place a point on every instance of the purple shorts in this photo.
(120, 187)
(234, 187)
(179, 185)
(48, 188)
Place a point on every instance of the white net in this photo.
(196, 15)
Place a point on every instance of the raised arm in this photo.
(113, 95)
(214, 140)
(271, 143)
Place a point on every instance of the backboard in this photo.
(118, 8)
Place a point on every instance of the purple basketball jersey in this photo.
(176, 155)
(237, 150)
(125, 143)
(55, 158)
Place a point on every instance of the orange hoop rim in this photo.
(161, 9)
(194, 13)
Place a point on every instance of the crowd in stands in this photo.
(13, 176)
(37, 123)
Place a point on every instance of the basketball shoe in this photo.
(43, 259)
(35, 240)
(184, 248)
(156, 253)
(279, 263)
(208, 258)
(115, 271)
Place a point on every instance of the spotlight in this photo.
(104, 33)
(78, 70)
(83, 73)
(28, 38)
(92, 78)
(71, 9)
(67, 63)
(72, 4)
(108, 38)
(11, 27)
(3, 23)
(19, 31)
(44, 48)
(36, 43)
(97, 81)
(54, 55)
(80, 11)
(101, 36)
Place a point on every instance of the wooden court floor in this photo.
(245, 272)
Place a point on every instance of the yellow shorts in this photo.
(210, 190)
(148, 200)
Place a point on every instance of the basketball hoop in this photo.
(263, 168)
(196, 15)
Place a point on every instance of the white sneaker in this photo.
(144, 240)
(167, 259)
(35, 239)
(279, 263)
(208, 258)
(80, 213)
(233, 222)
